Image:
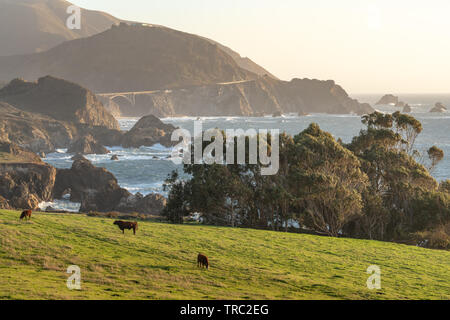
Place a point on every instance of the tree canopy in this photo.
(374, 187)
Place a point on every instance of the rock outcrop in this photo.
(111, 106)
(148, 131)
(88, 185)
(277, 114)
(439, 108)
(388, 99)
(98, 190)
(25, 181)
(151, 204)
(12, 153)
(41, 133)
(104, 136)
(78, 157)
(4, 204)
(87, 145)
(36, 132)
(59, 99)
(407, 109)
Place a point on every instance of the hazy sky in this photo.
(367, 46)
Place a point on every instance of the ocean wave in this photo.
(63, 205)
(144, 169)
(179, 119)
(145, 188)
(161, 148)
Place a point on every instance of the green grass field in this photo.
(160, 263)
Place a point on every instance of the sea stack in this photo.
(388, 99)
(438, 108)
(407, 109)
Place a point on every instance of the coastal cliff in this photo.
(25, 181)
(172, 73)
(59, 99)
(264, 95)
(53, 113)
(36, 132)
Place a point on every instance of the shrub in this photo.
(438, 238)
(113, 215)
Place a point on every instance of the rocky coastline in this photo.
(98, 190)
(26, 182)
(83, 126)
(261, 96)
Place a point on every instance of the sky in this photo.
(367, 46)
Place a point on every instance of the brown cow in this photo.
(26, 215)
(202, 261)
(126, 225)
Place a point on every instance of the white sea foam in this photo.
(145, 169)
(63, 205)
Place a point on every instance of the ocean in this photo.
(145, 169)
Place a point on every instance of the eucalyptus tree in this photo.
(329, 181)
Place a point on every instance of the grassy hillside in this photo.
(159, 263)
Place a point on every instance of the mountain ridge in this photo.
(130, 58)
(40, 25)
(192, 74)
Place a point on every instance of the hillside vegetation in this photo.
(159, 263)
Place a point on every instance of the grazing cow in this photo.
(26, 215)
(202, 261)
(126, 225)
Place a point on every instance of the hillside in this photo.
(244, 62)
(45, 28)
(159, 263)
(130, 58)
(28, 26)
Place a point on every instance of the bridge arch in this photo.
(131, 98)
